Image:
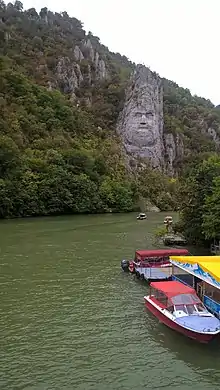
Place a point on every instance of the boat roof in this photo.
(172, 288)
(161, 252)
(195, 259)
(208, 264)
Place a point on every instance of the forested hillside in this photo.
(60, 95)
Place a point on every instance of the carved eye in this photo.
(138, 114)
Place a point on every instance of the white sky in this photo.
(179, 39)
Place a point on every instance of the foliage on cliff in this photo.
(200, 198)
(58, 149)
(58, 155)
(195, 121)
(52, 157)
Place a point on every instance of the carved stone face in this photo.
(144, 123)
(140, 124)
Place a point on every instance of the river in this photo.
(72, 320)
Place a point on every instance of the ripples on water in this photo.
(70, 319)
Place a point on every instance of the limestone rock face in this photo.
(69, 75)
(91, 51)
(140, 124)
(99, 63)
(69, 71)
(174, 150)
(78, 54)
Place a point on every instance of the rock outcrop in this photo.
(140, 123)
(69, 74)
(78, 54)
(174, 151)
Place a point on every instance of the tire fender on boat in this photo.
(131, 267)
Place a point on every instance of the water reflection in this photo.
(199, 356)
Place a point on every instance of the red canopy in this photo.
(172, 288)
(161, 253)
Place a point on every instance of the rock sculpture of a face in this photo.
(140, 123)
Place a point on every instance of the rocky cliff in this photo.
(140, 123)
(156, 120)
(146, 135)
(80, 69)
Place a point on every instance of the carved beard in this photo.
(141, 138)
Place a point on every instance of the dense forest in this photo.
(61, 91)
(200, 202)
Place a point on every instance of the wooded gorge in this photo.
(61, 92)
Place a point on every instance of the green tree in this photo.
(196, 192)
(211, 213)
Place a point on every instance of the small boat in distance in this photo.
(168, 220)
(141, 216)
(151, 265)
(179, 308)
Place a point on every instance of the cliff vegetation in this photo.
(61, 91)
(200, 202)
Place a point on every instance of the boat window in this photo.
(181, 308)
(191, 309)
(162, 298)
(201, 308)
(170, 309)
(185, 299)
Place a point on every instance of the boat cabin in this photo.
(154, 264)
(179, 299)
(147, 258)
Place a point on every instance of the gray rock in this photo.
(140, 124)
(89, 47)
(153, 209)
(174, 149)
(78, 54)
(69, 76)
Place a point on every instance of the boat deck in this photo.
(155, 273)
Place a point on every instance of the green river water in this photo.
(71, 319)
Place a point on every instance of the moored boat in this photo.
(179, 308)
(152, 265)
(173, 239)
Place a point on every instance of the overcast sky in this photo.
(179, 39)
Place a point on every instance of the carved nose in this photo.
(143, 120)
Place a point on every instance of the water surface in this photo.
(71, 319)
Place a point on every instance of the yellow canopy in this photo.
(210, 264)
(213, 268)
(195, 259)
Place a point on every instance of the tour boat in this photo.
(168, 220)
(177, 306)
(152, 265)
(141, 216)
